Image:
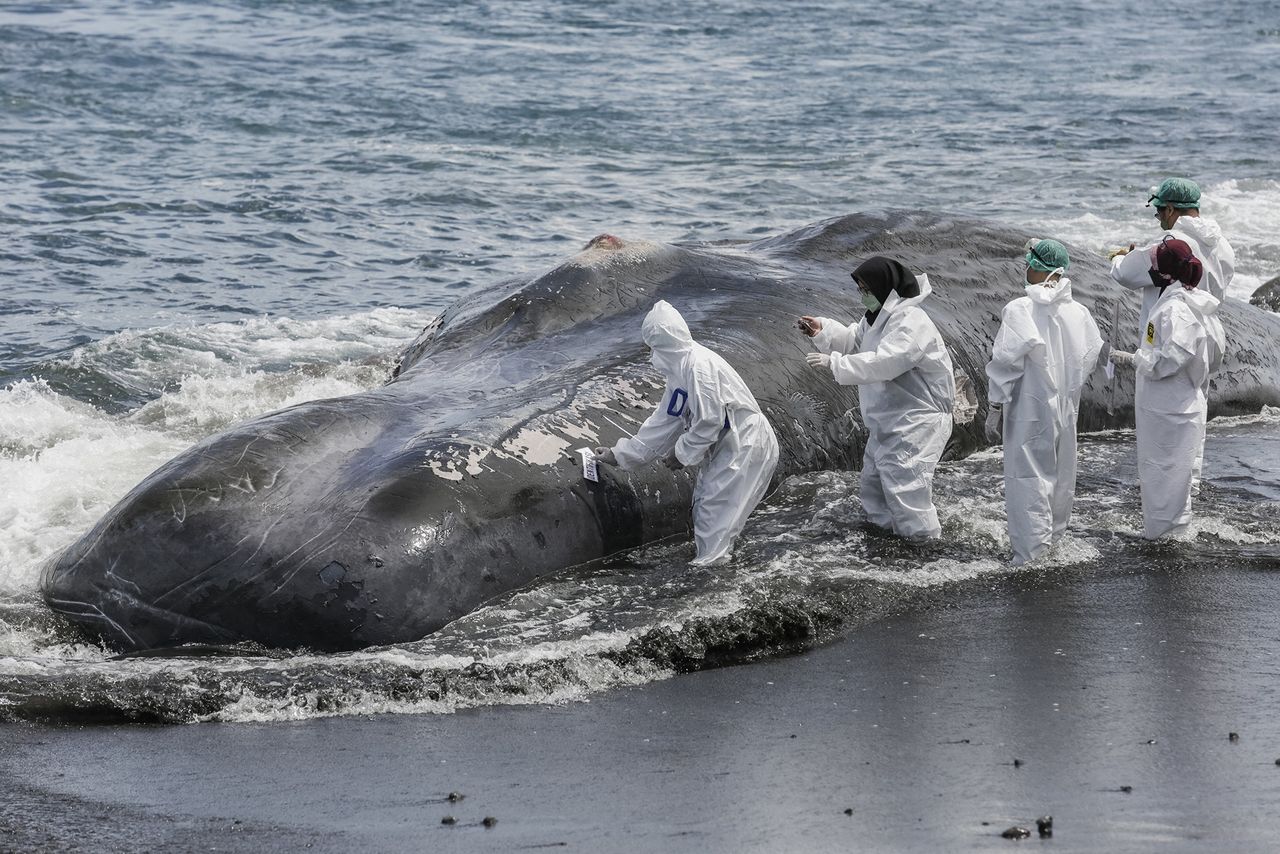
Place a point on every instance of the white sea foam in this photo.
(1269, 415)
(1248, 212)
(1205, 525)
(64, 463)
(580, 677)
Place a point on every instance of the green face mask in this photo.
(870, 301)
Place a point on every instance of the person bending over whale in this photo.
(1046, 347)
(907, 391)
(707, 415)
(1181, 347)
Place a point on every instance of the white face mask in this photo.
(1050, 282)
(665, 362)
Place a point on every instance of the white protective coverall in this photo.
(906, 395)
(1219, 261)
(707, 413)
(1046, 347)
(1182, 346)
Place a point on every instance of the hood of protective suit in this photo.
(897, 301)
(666, 333)
(1202, 303)
(1204, 306)
(1059, 294)
(1204, 230)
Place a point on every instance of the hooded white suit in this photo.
(907, 392)
(1181, 347)
(1047, 346)
(707, 413)
(1213, 250)
(1219, 261)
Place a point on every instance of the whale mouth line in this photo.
(181, 629)
(90, 613)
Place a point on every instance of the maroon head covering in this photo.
(1175, 262)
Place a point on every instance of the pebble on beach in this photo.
(1044, 825)
(1016, 833)
(454, 797)
(1233, 736)
(448, 820)
(489, 821)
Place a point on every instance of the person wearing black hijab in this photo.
(897, 357)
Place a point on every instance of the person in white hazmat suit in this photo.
(1177, 204)
(1045, 349)
(1182, 346)
(707, 415)
(906, 391)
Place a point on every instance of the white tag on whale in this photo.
(589, 470)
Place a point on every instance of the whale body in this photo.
(379, 517)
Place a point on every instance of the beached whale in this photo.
(379, 517)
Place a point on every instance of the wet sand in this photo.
(900, 737)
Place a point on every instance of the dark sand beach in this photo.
(1105, 701)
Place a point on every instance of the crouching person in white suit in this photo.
(707, 416)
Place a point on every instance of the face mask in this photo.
(870, 301)
(1051, 281)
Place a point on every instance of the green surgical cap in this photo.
(1181, 193)
(1047, 255)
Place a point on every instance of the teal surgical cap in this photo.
(1047, 255)
(1182, 193)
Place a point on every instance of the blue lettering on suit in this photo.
(679, 398)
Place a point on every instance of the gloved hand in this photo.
(605, 455)
(810, 326)
(1116, 253)
(1122, 358)
(673, 462)
(818, 360)
(994, 423)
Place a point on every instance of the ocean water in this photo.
(214, 210)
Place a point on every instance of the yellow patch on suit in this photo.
(1151, 333)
